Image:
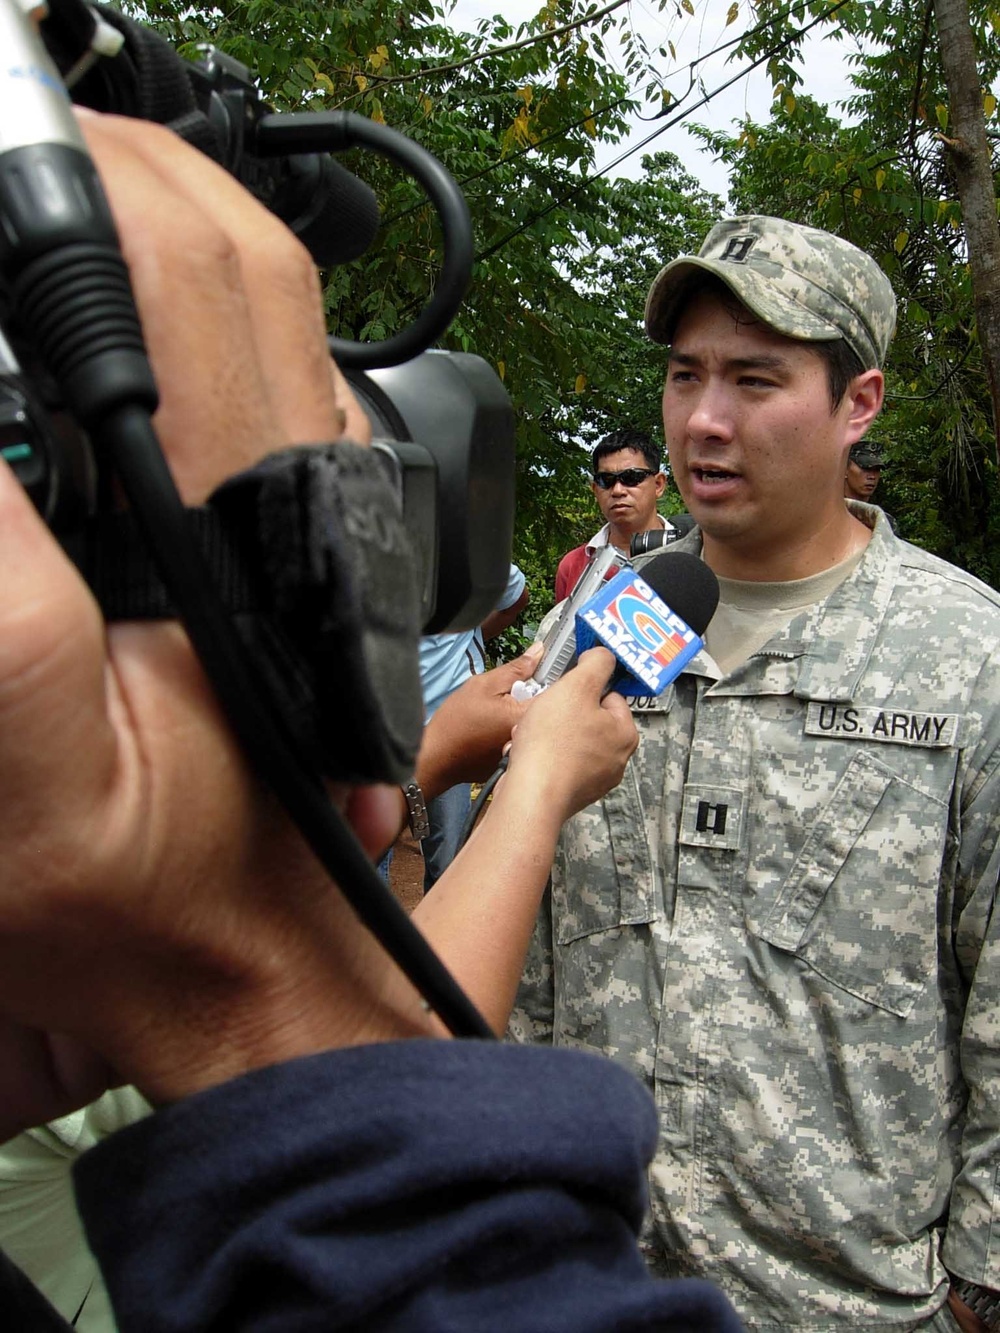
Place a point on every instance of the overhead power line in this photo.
(548, 35)
(598, 112)
(589, 180)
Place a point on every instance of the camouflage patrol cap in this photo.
(800, 281)
(868, 453)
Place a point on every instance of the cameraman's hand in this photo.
(569, 748)
(231, 309)
(157, 910)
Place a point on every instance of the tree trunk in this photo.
(970, 155)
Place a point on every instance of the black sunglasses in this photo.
(631, 476)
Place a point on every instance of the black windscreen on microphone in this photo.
(213, 104)
(686, 584)
(652, 619)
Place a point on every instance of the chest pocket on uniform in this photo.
(603, 876)
(859, 905)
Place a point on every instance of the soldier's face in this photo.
(757, 454)
(861, 481)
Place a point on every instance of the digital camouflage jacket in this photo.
(782, 919)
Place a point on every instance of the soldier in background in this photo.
(783, 918)
(864, 470)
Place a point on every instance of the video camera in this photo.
(320, 680)
(444, 421)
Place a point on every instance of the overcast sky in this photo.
(824, 69)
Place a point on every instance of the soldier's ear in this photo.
(865, 394)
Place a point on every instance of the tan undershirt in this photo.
(749, 613)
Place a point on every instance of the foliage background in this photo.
(565, 256)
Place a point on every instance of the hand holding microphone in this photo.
(573, 744)
(651, 641)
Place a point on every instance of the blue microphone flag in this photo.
(652, 644)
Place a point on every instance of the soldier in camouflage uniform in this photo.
(782, 919)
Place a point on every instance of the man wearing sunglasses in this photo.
(628, 482)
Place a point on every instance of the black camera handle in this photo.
(334, 131)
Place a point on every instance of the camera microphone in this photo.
(113, 64)
(61, 267)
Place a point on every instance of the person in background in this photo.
(864, 470)
(628, 480)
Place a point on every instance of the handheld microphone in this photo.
(653, 639)
(645, 630)
(560, 642)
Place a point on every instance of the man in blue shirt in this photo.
(447, 661)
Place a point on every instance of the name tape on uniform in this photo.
(896, 726)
